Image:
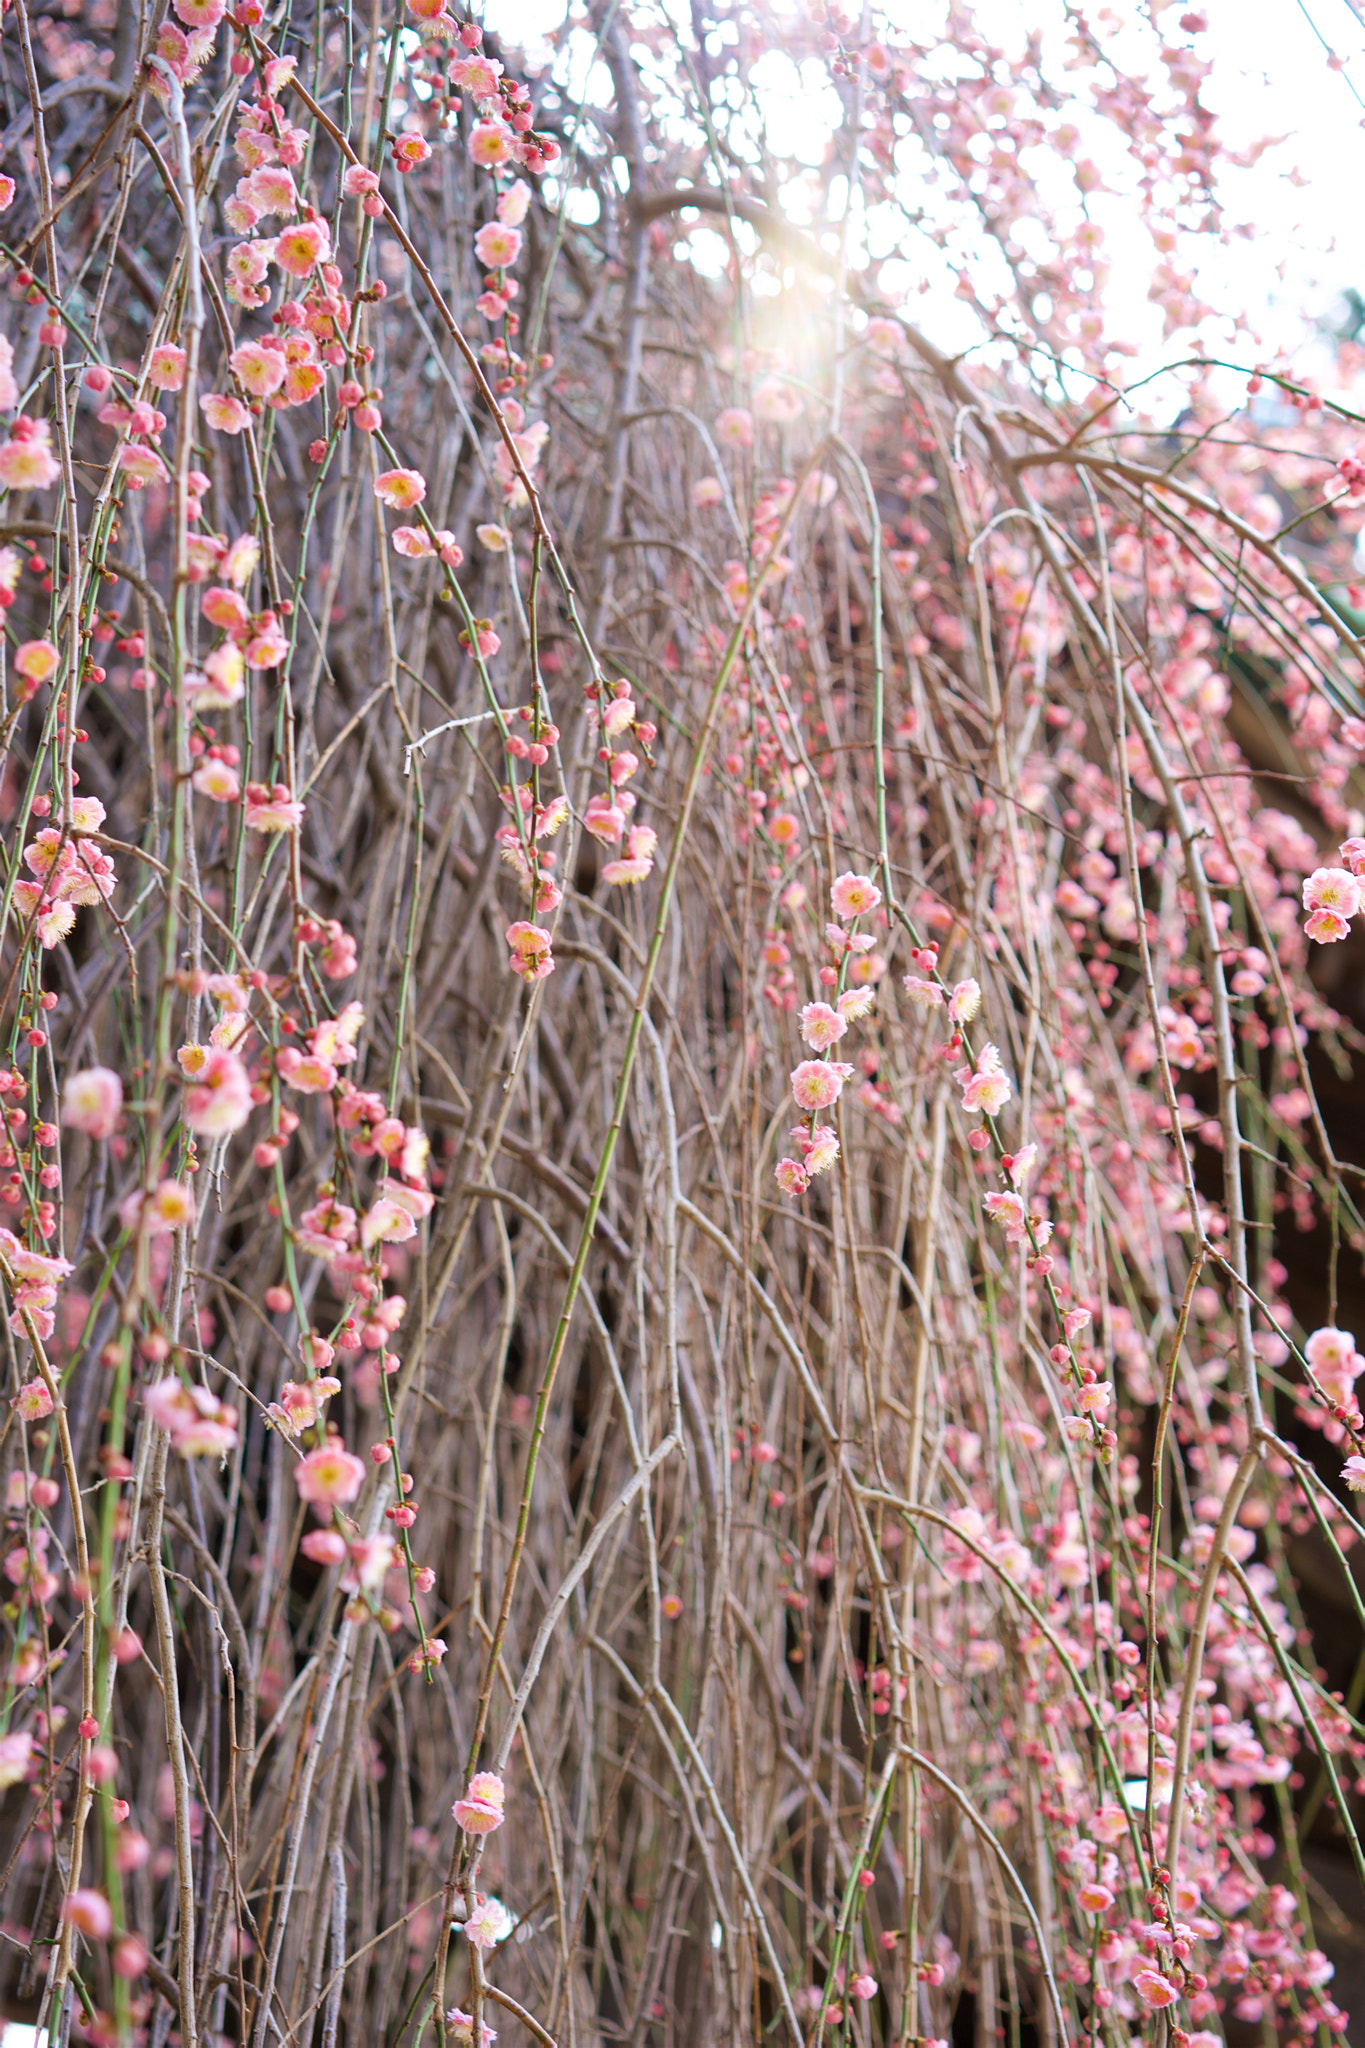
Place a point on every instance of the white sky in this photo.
(1270, 77)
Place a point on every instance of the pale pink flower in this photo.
(226, 415)
(481, 1809)
(170, 1206)
(793, 1179)
(1353, 1474)
(387, 1222)
(226, 608)
(513, 204)
(267, 645)
(199, 1425)
(819, 1148)
(1333, 1351)
(821, 1025)
(240, 561)
(329, 1474)
(258, 369)
(495, 538)
(90, 1913)
(166, 367)
(461, 2024)
(927, 994)
(33, 1401)
(1109, 1824)
(531, 956)
(735, 427)
(777, 401)
(988, 1089)
(324, 1546)
(400, 488)
(36, 660)
(359, 181)
(1093, 1897)
(1008, 1210)
(706, 492)
(604, 819)
(272, 809)
(218, 1099)
(216, 781)
(855, 1003)
(497, 245)
(16, 1754)
(27, 462)
(1333, 897)
(1332, 889)
(490, 144)
(300, 248)
(854, 896)
(862, 1986)
(486, 1925)
(817, 1083)
(1018, 1165)
(964, 1002)
(91, 1102)
(1153, 1989)
(627, 870)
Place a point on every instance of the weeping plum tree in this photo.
(679, 1225)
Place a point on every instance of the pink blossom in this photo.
(1008, 1209)
(818, 1083)
(964, 1002)
(1353, 1474)
(497, 246)
(258, 369)
(198, 1423)
(927, 994)
(1153, 1989)
(854, 896)
(329, 1474)
(530, 951)
(92, 1101)
(1333, 897)
(359, 180)
(324, 1546)
(16, 1754)
(735, 427)
(791, 1177)
(26, 459)
(490, 144)
(218, 1099)
(166, 367)
(36, 660)
(90, 1913)
(33, 1401)
(486, 1925)
(224, 414)
(272, 810)
(988, 1089)
(822, 1025)
(300, 248)
(401, 488)
(216, 781)
(481, 1809)
(1093, 1897)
